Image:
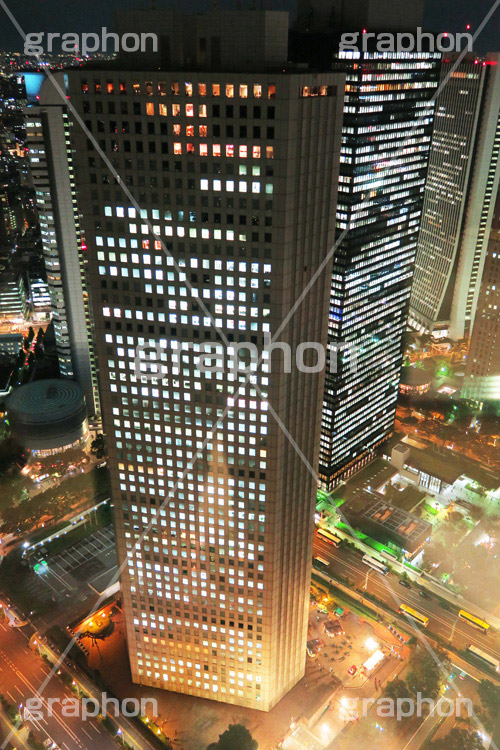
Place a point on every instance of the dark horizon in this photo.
(57, 16)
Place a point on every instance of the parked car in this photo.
(353, 669)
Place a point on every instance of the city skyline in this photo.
(249, 403)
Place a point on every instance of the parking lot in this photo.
(88, 564)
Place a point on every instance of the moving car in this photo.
(353, 669)
(404, 582)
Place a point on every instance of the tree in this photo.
(97, 446)
(458, 739)
(236, 737)
(425, 675)
(490, 700)
(397, 689)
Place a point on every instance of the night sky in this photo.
(89, 15)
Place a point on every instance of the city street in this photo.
(21, 674)
(347, 563)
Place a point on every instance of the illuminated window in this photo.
(85, 87)
(216, 149)
(215, 89)
(271, 91)
(203, 149)
(256, 152)
(203, 131)
(162, 88)
(243, 90)
(243, 152)
(257, 90)
(190, 130)
(202, 89)
(123, 87)
(162, 108)
(189, 110)
(177, 148)
(229, 149)
(202, 110)
(176, 110)
(229, 90)
(177, 129)
(190, 148)
(110, 89)
(149, 88)
(189, 89)
(150, 108)
(270, 152)
(175, 88)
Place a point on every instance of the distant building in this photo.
(443, 473)
(39, 298)
(460, 191)
(64, 249)
(11, 343)
(12, 296)
(414, 381)
(482, 374)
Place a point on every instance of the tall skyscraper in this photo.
(459, 198)
(482, 374)
(385, 144)
(386, 133)
(233, 161)
(51, 162)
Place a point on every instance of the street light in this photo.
(371, 644)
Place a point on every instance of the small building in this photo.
(414, 381)
(11, 343)
(385, 523)
(48, 416)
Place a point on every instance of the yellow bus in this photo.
(474, 621)
(422, 619)
(329, 537)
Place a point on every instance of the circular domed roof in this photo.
(45, 401)
(414, 377)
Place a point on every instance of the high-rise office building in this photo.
(459, 198)
(64, 251)
(482, 374)
(233, 161)
(386, 134)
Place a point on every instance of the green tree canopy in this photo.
(458, 739)
(236, 737)
(397, 689)
(425, 675)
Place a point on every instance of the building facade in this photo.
(459, 198)
(219, 216)
(482, 373)
(386, 133)
(51, 163)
